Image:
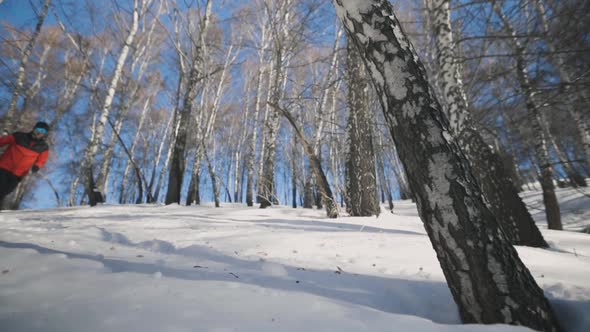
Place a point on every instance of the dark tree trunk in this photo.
(511, 168)
(94, 195)
(361, 180)
(294, 192)
(308, 194)
(486, 277)
(193, 189)
(177, 163)
(317, 194)
(325, 193)
(501, 195)
(266, 184)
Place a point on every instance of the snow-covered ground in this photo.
(172, 268)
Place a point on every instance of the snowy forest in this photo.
(345, 107)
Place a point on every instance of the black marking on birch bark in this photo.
(440, 177)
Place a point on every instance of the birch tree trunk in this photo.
(315, 164)
(238, 164)
(361, 179)
(205, 128)
(294, 172)
(105, 167)
(177, 163)
(252, 146)
(271, 126)
(484, 273)
(123, 183)
(93, 145)
(9, 123)
(211, 170)
(277, 81)
(157, 180)
(501, 195)
(536, 120)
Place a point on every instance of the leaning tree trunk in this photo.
(502, 197)
(361, 180)
(315, 164)
(94, 144)
(485, 275)
(535, 118)
(109, 151)
(123, 182)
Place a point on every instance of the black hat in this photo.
(42, 124)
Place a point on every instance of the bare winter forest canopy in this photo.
(340, 105)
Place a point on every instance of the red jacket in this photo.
(22, 153)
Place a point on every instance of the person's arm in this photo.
(7, 140)
(41, 159)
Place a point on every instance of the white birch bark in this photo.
(123, 183)
(254, 126)
(536, 120)
(326, 84)
(500, 193)
(92, 148)
(80, 171)
(485, 275)
(361, 180)
(239, 149)
(164, 169)
(141, 57)
(279, 21)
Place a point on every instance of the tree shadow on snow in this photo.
(267, 222)
(426, 299)
(422, 298)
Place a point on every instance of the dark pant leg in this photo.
(8, 183)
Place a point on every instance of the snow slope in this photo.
(172, 268)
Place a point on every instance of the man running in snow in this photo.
(26, 151)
